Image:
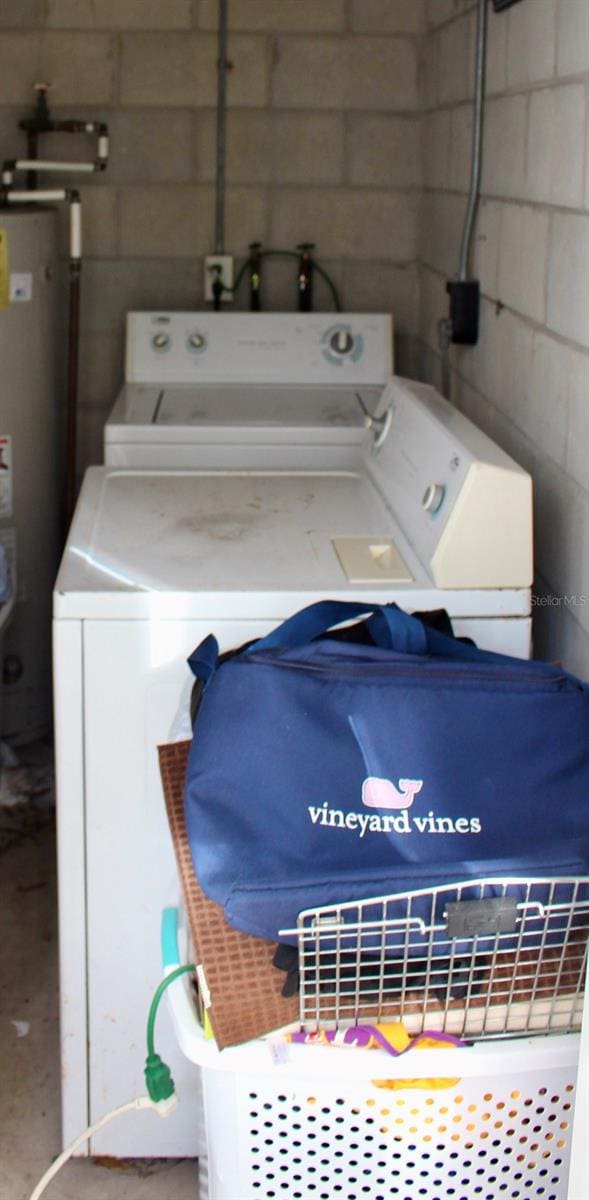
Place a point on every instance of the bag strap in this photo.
(204, 658)
(390, 627)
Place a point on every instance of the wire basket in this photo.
(491, 958)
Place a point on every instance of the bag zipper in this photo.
(491, 675)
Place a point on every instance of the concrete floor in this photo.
(29, 1052)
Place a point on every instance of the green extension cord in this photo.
(158, 1077)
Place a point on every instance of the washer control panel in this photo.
(284, 348)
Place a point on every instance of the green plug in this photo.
(158, 1077)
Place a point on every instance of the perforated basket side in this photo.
(469, 1138)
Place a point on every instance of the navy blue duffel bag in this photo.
(324, 770)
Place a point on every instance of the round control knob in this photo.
(196, 341)
(433, 496)
(341, 341)
(160, 341)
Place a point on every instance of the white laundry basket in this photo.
(312, 1122)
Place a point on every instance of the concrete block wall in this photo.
(323, 144)
(527, 380)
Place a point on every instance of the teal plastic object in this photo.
(169, 938)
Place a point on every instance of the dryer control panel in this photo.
(207, 347)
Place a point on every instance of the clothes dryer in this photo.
(427, 512)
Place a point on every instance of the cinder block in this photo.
(384, 151)
(513, 441)
(151, 145)
(480, 364)
(378, 225)
(381, 73)
(573, 375)
(111, 287)
(173, 69)
(558, 633)
(90, 436)
(21, 67)
(437, 12)
(291, 16)
(531, 42)
(523, 255)
(246, 219)
(551, 391)
(562, 538)
(79, 66)
(587, 157)
(204, 141)
(166, 221)
(99, 222)
(473, 404)
(381, 287)
(119, 14)
(433, 305)
(512, 369)
(21, 14)
(12, 139)
(500, 365)
(485, 247)
(496, 62)
(354, 224)
(461, 147)
(382, 16)
(573, 37)
(568, 277)
(100, 370)
(309, 73)
(359, 72)
(442, 219)
(456, 63)
(556, 141)
(436, 148)
(429, 71)
(177, 221)
(504, 148)
(270, 147)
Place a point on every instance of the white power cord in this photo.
(162, 1107)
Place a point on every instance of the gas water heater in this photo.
(29, 437)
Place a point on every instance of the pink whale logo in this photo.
(381, 793)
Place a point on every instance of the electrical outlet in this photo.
(221, 264)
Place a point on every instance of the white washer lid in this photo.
(236, 543)
(251, 412)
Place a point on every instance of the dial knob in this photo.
(196, 341)
(341, 341)
(433, 497)
(160, 341)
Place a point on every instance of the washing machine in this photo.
(204, 384)
(426, 511)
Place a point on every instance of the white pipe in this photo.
(103, 147)
(36, 197)
(75, 229)
(41, 164)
